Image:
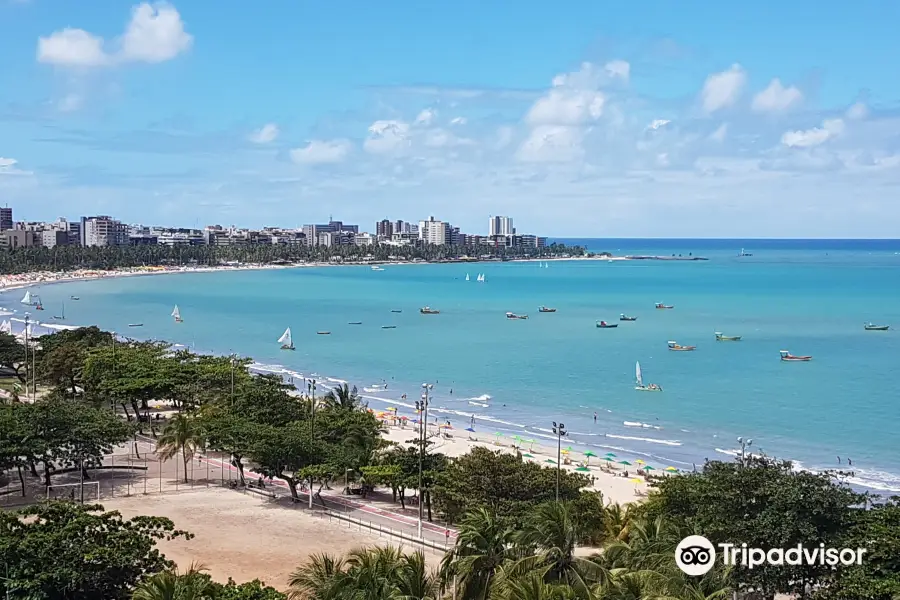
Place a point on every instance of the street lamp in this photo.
(560, 431)
(27, 328)
(744, 445)
(422, 407)
(233, 363)
(311, 390)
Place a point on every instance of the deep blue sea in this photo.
(809, 297)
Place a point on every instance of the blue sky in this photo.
(654, 119)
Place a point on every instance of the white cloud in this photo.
(7, 162)
(72, 48)
(426, 117)
(776, 98)
(387, 136)
(657, 123)
(265, 134)
(719, 134)
(816, 136)
(458, 121)
(319, 152)
(552, 143)
(154, 34)
(858, 111)
(8, 167)
(618, 68)
(722, 90)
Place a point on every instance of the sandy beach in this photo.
(608, 476)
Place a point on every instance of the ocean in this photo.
(519, 376)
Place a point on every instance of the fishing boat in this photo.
(873, 327)
(74, 298)
(427, 310)
(38, 305)
(788, 357)
(26, 299)
(389, 327)
(639, 381)
(721, 337)
(624, 317)
(323, 333)
(605, 325)
(176, 314)
(511, 315)
(467, 277)
(286, 341)
(546, 309)
(675, 346)
(396, 310)
(355, 323)
(377, 268)
(660, 305)
(744, 253)
(135, 324)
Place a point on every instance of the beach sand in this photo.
(615, 487)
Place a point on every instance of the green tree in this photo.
(62, 355)
(182, 435)
(484, 545)
(193, 584)
(45, 550)
(284, 452)
(12, 355)
(343, 397)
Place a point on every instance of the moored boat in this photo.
(660, 305)
(873, 327)
(389, 327)
(721, 337)
(545, 309)
(176, 314)
(511, 315)
(135, 324)
(323, 333)
(605, 325)
(427, 310)
(624, 317)
(676, 347)
(639, 381)
(396, 310)
(355, 323)
(286, 341)
(788, 357)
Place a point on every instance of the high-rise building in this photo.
(103, 230)
(384, 229)
(6, 220)
(435, 232)
(313, 232)
(501, 226)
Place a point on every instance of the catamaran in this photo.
(285, 340)
(176, 314)
(639, 381)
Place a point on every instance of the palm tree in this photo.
(181, 434)
(415, 581)
(483, 546)
(193, 584)
(343, 397)
(322, 577)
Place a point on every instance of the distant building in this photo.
(6, 218)
(435, 232)
(16, 238)
(50, 238)
(457, 238)
(384, 229)
(367, 239)
(336, 238)
(531, 241)
(404, 239)
(313, 232)
(501, 226)
(103, 231)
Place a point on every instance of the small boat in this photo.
(721, 337)
(624, 317)
(389, 327)
(427, 310)
(605, 325)
(480, 277)
(660, 305)
(61, 317)
(467, 277)
(26, 299)
(396, 311)
(787, 356)
(639, 381)
(135, 324)
(286, 341)
(74, 298)
(744, 253)
(546, 309)
(873, 327)
(675, 346)
(377, 268)
(323, 333)
(176, 314)
(510, 315)
(355, 323)
(38, 306)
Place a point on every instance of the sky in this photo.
(579, 119)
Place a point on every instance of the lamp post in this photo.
(744, 445)
(311, 390)
(560, 431)
(422, 407)
(27, 392)
(233, 362)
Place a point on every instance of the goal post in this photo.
(73, 491)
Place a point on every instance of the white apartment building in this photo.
(501, 226)
(435, 232)
(103, 230)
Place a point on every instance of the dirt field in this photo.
(244, 536)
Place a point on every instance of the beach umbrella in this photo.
(671, 469)
(583, 469)
(625, 462)
(636, 480)
(569, 449)
(588, 455)
(393, 408)
(551, 461)
(639, 461)
(564, 451)
(648, 468)
(611, 454)
(530, 445)
(470, 429)
(404, 418)
(526, 455)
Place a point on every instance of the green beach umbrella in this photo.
(526, 455)
(647, 468)
(625, 462)
(588, 456)
(550, 460)
(569, 449)
(611, 454)
(583, 469)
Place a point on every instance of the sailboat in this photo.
(480, 277)
(63, 316)
(467, 277)
(5, 327)
(177, 315)
(639, 381)
(27, 298)
(285, 340)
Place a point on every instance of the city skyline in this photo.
(622, 121)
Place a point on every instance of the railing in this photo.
(382, 530)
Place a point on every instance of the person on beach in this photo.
(849, 462)
(595, 416)
(839, 460)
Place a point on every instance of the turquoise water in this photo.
(809, 299)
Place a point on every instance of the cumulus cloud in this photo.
(657, 123)
(816, 136)
(154, 34)
(776, 98)
(551, 143)
(387, 136)
(458, 121)
(318, 152)
(426, 117)
(265, 134)
(8, 167)
(618, 68)
(722, 90)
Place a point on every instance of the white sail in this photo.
(467, 277)
(176, 313)
(27, 298)
(285, 338)
(638, 375)
(6, 327)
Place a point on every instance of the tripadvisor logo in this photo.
(696, 555)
